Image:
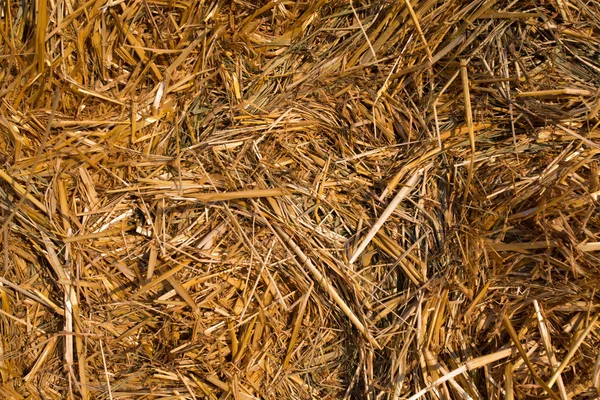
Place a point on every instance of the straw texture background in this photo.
(229, 199)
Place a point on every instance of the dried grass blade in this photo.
(244, 194)
(513, 334)
(40, 34)
(545, 335)
(296, 330)
(469, 118)
(402, 193)
(574, 347)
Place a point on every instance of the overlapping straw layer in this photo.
(299, 199)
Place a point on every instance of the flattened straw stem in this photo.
(243, 194)
(320, 278)
(548, 346)
(432, 361)
(515, 339)
(468, 110)
(573, 350)
(41, 24)
(415, 20)
(596, 374)
(41, 359)
(477, 299)
(467, 366)
(508, 384)
(556, 92)
(106, 371)
(297, 325)
(32, 296)
(469, 117)
(578, 136)
(437, 123)
(22, 191)
(386, 214)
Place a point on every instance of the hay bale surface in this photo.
(299, 200)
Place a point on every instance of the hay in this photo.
(297, 200)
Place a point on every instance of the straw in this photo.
(299, 199)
